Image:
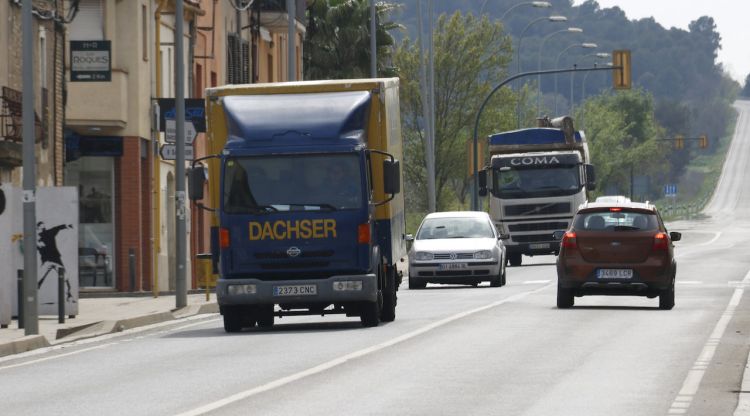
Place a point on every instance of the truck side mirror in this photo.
(391, 176)
(482, 176)
(196, 180)
(590, 177)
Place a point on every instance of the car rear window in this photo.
(615, 221)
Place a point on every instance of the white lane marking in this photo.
(683, 251)
(689, 282)
(54, 357)
(693, 380)
(348, 357)
(711, 241)
(536, 282)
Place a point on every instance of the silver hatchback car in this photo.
(456, 247)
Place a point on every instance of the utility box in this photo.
(204, 269)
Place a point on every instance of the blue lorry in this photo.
(304, 180)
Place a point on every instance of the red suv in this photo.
(616, 248)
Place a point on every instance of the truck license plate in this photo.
(295, 290)
(538, 246)
(614, 273)
(452, 266)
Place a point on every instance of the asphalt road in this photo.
(452, 350)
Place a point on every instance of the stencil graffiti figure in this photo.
(51, 259)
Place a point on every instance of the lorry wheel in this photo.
(388, 314)
(514, 259)
(564, 298)
(265, 316)
(232, 321)
(369, 314)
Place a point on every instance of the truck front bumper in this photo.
(531, 249)
(335, 289)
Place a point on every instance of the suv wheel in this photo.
(666, 298)
(564, 298)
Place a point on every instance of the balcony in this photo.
(273, 14)
(100, 104)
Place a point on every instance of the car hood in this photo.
(454, 244)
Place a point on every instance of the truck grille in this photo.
(459, 256)
(279, 254)
(539, 226)
(538, 209)
(533, 238)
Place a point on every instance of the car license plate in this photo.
(452, 266)
(295, 290)
(614, 273)
(538, 246)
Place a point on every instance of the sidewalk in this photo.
(103, 315)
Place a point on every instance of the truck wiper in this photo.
(263, 209)
(323, 206)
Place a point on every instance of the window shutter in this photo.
(89, 21)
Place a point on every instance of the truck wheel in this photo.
(369, 314)
(564, 298)
(388, 314)
(666, 298)
(514, 259)
(265, 316)
(415, 283)
(232, 321)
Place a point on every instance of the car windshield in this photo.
(435, 228)
(533, 183)
(616, 221)
(300, 182)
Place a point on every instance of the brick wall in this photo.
(131, 214)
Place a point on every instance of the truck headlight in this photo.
(241, 289)
(483, 255)
(423, 255)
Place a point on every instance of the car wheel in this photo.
(564, 298)
(369, 314)
(388, 313)
(666, 298)
(232, 321)
(504, 276)
(514, 260)
(415, 283)
(265, 316)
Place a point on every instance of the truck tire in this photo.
(388, 313)
(415, 283)
(565, 298)
(265, 316)
(232, 321)
(515, 259)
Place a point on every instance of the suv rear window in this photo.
(615, 221)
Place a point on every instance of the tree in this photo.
(746, 89)
(337, 43)
(471, 57)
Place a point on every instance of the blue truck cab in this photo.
(305, 184)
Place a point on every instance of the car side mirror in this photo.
(409, 237)
(391, 177)
(503, 236)
(675, 236)
(558, 235)
(590, 177)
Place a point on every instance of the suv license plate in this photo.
(614, 273)
(452, 266)
(295, 290)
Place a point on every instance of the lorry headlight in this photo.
(483, 255)
(241, 290)
(347, 285)
(423, 255)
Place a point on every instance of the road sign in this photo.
(670, 190)
(169, 152)
(171, 132)
(195, 111)
(90, 60)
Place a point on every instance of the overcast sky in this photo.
(731, 18)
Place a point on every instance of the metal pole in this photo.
(433, 136)
(31, 313)
(181, 237)
(373, 41)
(291, 49)
(572, 74)
(61, 295)
(19, 287)
(423, 85)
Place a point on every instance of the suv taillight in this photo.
(661, 242)
(569, 240)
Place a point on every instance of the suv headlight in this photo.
(483, 255)
(423, 255)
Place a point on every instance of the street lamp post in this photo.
(583, 86)
(539, 63)
(518, 51)
(538, 4)
(584, 45)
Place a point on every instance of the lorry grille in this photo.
(280, 254)
(538, 209)
(459, 256)
(295, 265)
(539, 226)
(532, 238)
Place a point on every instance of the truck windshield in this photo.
(534, 183)
(262, 184)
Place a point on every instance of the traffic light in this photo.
(621, 76)
(703, 142)
(679, 142)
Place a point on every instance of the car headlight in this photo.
(483, 255)
(423, 255)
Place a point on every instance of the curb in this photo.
(92, 330)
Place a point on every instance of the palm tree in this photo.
(337, 44)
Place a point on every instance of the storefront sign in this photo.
(90, 60)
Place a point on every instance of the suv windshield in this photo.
(533, 183)
(262, 184)
(615, 221)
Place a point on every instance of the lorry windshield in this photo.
(538, 182)
(262, 184)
